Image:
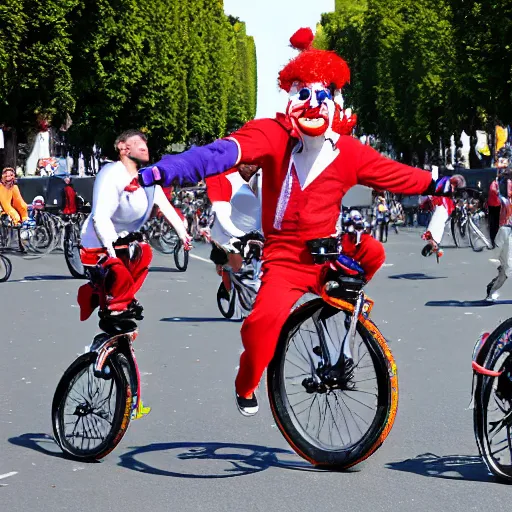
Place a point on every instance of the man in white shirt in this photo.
(120, 208)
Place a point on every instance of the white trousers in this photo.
(437, 223)
(504, 242)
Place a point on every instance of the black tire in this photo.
(495, 355)
(122, 409)
(180, 257)
(226, 301)
(284, 415)
(5, 268)
(74, 263)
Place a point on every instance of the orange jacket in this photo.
(12, 203)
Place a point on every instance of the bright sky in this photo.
(272, 23)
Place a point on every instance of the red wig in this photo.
(312, 65)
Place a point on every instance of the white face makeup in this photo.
(311, 108)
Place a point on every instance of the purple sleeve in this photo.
(193, 165)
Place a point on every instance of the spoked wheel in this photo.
(90, 414)
(493, 403)
(72, 255)
(226, 301)
(180, 256)
(40, 239)
(5, 268)
(331, 424)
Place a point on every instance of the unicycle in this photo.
(99, 394)
(332, 384)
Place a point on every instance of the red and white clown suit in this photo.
(306, 168)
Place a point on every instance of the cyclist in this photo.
(120, 208)
(11, 201)
(307, 169)
(443, 208)
(237, 208)
(503, 242)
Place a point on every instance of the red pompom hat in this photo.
(312, 65)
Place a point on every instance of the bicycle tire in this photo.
(74, 263)
(7, 265)
(122, 412)
(387, 393)
(490, 357)
(178, 251)
(230, 299)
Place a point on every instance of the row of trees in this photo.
(423, 70)
(181, 71)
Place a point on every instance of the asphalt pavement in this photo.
(195, 452)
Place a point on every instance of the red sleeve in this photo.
(260, 140)
(494, 195)
(381, 173)
(218, 187)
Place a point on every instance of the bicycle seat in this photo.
(114, 326)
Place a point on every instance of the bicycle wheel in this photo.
(5, 268)
(180, 256)
(72, 256)
(226, 301)
(360, 415)
(459, 232)
(477, 239)
(90, 414)
(493, 402)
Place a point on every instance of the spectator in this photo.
(69, 200)
(10, 197)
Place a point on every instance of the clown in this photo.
(307, 167)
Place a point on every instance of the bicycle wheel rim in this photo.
(67, 400)
(493, 408)
(378, 424)
(5, 268)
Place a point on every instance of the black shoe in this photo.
(247, 406)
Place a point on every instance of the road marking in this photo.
(201, 259)
(7, 475)
(492, 260)
(388, 264)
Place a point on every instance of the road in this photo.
(194, 452)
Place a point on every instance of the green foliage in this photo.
(183, 72)
(425, 69)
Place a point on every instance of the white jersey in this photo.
(116, 210)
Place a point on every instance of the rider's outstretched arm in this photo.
(222, 210)
(254, 143)
(170, 213)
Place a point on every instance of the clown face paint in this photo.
(310, 108)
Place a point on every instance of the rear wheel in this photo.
(90, 414)
(72, 256)
(226, 301)
(326, 425)
(180, 256)
(477, 239)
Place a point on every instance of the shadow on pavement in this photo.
(465, 303)
(415, 277)
(163, 269)
(42, 443)
(214, 460)
(43, 278)
(449, 467)
(191, 319)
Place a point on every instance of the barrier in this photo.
(51, 187)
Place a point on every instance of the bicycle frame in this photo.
(122, 343)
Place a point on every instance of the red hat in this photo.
(312, 65)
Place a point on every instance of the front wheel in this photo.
(226, 301)
(73, 261)
(493, 402)
(341, 425)
(90, 414)
(180, 256)
(5, 268)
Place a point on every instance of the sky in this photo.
(272, 23)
